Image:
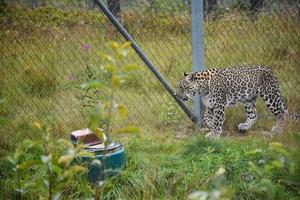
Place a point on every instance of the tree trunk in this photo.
(255, 7)
(208, 7)
(34, 4)
(90, 4)
(298, 9)
(115, 8)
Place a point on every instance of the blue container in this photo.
(112, 162)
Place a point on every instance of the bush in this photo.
(38, 85)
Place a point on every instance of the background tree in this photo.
(255, 7)
(115, 8)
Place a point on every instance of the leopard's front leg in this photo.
(251, 115)
(208, 117)
(217, 121)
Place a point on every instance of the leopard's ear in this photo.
(185, 74)
(191, 77)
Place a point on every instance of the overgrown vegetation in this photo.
(161, 166)
(105, 110)
(44, 169)
(44, 62)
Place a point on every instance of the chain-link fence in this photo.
(48, 48)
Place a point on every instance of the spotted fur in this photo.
(220, 88)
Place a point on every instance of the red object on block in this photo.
(85, 136)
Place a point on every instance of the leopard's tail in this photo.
(293, 116)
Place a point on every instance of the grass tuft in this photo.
(37, 85)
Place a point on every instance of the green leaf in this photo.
(269, 188)
(279, 148)
(115, 81)
(11, 160)
(110, 59)
(38, 125)
(65, 160)
(26, 164)
(29, 186)
(18, 156)
(126, 45)
(255, 168)
(28, 144)
(128, 129)
(75, 169)
(56, 169)
(277, 164)
(92, 85)
(65, 142)
(254, 152)
(115, 46)
(72, 171)
(98, 132)
(85, 154)
(122, 111)
(110, 68)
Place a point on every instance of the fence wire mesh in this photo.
(49, 48)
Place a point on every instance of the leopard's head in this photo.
(194, 83)
(186, 87)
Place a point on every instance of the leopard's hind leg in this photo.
(274, 102)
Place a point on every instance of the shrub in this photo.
(38, 85)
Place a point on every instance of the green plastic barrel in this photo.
(112, 162)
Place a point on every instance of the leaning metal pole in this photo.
(142, 55)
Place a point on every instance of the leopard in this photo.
(219, 88)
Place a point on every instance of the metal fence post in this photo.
(198, 51)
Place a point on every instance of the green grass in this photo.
(43, 64)
(163, 167)
(159, 166)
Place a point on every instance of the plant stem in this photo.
(49, 182)
(97, 193)
(19, 186)
(108, 127)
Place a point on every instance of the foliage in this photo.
(260, 173)
(162, 167)
(44, 168)
(219, 191)
(47, 17)
(37, 84)
(159, 168)
(107, 111)
(281, 166)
